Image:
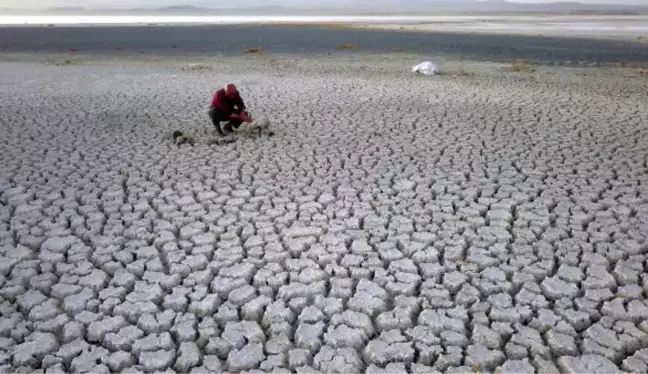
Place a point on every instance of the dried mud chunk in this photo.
(341, 360)
(586, 364)
(35, 347)
(246, 358)
(480, 356)
(516, 367)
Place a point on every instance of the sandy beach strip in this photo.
(489, 218)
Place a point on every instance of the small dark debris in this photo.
(179, 138)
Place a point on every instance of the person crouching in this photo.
(228, 106)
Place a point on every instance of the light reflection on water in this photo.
(192, 19)
(458, 22)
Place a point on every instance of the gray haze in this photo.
(103, 4)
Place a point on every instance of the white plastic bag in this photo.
(426, 68)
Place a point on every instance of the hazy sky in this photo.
(34, 4)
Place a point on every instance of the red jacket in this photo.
(225, 103)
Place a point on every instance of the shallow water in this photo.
(556, 27)
(281, 39)
(191, 19)
(476, 23)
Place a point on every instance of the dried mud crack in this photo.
(394, 223)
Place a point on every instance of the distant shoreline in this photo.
(630, 28)
(281, 39)
(444, 7)
(313, 19)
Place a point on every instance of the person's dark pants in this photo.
(217, 116)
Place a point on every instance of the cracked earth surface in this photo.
(395, 223)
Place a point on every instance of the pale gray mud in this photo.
(395, 223)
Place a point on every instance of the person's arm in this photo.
(243, 115)
(240, 103)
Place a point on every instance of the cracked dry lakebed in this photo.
(489, 221)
